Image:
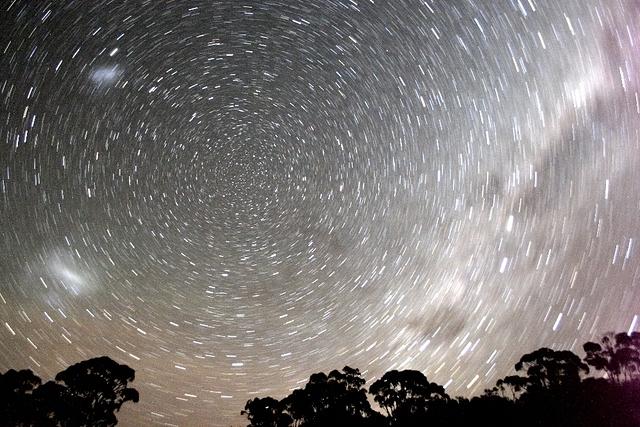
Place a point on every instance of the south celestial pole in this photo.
(229, 196)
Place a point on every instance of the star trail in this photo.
(228, 196)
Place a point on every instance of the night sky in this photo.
(228, 196)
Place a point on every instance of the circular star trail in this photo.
(229, 196)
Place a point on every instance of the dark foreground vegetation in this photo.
(551, 388)
(85, 394)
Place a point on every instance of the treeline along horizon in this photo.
(550, 388)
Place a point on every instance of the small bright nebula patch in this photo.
(105, 75)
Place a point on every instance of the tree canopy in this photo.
(550, 388)
(551, 369)
(405, 394)
(337, 397)
(85, 394)
(618, 355)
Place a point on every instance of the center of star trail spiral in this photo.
(229, 196)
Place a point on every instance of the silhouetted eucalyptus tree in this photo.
(16, 396)
(337, 398)
(56, 405)
(406, 394)
(514, 383)
(85, 394)
(551, 369)
(266, 412)
(618, 356)
(100, 385)
(550, 392)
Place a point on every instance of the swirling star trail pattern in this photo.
(229, 196)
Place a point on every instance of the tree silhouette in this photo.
(100, 386)
(618, 356)
(599, 358)
(16, 395)
(56, 405)
(406, 394)
(85, 394)
(549, 392)
(514, 383)
(334, 398)
(298, 406)
(551, 369)
(266, 412)
(350, 384)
